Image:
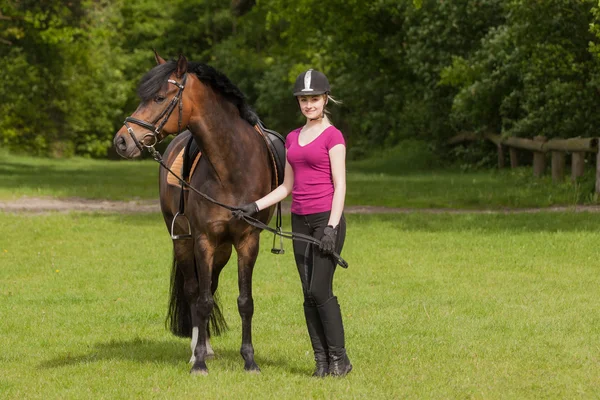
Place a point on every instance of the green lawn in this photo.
(392, 180)
(435, 306)
(77, 177)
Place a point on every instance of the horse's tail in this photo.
(217, 325)
(179, 315)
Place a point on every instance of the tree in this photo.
(533, 75)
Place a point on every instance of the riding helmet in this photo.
(311, 82)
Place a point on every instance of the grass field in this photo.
(395, 179)
(489, 306)
(435, 306)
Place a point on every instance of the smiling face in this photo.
(312, 106)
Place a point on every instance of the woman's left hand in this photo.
(328, 240)
(246, 209)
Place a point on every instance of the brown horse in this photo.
(235, 168)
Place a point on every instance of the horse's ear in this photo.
(181, 66)
(159, 59)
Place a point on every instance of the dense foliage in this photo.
(403, 69)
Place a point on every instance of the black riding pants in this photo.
(316, 270)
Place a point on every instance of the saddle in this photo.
(187, 159)
(276, 145)
(185, 162)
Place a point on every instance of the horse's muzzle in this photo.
(125, 148)
(120, 144)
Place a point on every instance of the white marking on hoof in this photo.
(194, 343)
(254, 371)
(199, 372)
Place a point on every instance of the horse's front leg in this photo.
(247, 250)
(204, 253)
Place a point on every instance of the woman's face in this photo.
(312, 106)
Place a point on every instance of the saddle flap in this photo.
(185, 163)
(276, 144)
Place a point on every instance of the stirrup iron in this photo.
(279, 250)
(189, 228)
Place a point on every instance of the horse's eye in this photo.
(159, 98)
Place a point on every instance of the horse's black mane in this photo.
(153, 81)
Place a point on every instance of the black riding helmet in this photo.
(311, 83)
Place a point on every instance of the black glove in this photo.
(328, 240)
(247, 209)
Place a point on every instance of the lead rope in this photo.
(250, 220)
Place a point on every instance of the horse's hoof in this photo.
(199, 368)
(199, 372)
(252, 368)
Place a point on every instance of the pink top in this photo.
(313, 183)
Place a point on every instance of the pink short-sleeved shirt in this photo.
(313, 183)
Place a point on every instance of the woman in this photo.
(315, 175)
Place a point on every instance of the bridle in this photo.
(155, 133)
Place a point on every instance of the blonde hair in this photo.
(329, 98)
(333, 100)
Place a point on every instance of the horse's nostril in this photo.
(120, 143)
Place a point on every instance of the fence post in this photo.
(500, 156)
(514, 157)
(598, 171)
(539, 159)
(577, 165)
(558, 166)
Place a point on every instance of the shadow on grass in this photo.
(138, 350)
(162, 352)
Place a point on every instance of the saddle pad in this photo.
(177, 167)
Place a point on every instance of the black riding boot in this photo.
(331, 317)
(317, 338)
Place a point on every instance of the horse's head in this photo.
(162, 110)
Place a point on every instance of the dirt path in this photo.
(47, 204)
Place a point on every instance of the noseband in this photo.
(155, 134)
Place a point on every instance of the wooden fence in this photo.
(540, 146)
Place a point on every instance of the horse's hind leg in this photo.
(184, 256)
(222, 255)
(247, 250)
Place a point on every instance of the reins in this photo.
(250, 220)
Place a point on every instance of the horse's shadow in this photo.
(171, 352)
